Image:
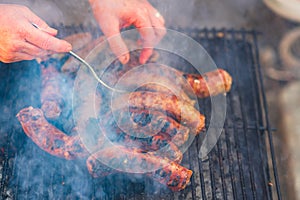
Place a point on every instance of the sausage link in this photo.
(48, 137)
(171, 174)
(170, 129)
(210, 84)
(163, 79)
(51, 94)
(144, 123)
(174, 176)
(180, 110)
(152, 87)
(158, 142)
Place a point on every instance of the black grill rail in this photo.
(241, 166)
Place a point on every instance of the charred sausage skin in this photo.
(160, 141)
(182, 111)
(145, 124)
(168, 173)
(48, 137)
(51, 95)
(209, 84)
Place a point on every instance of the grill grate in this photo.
(237, 168)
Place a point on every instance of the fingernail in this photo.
(143, 60)
(53, 31)
(124, 59)
(49, 30)
(68, 48)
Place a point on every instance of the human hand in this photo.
(20, 40)
(112, 15)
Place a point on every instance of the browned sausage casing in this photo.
(171, 174)
(180, 110)
(144, 124)
(160, 142)
(51, 97)
(210, 84)
(48, 137)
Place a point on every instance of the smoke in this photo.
(204, 13)
(177, 13)
(32, 173)
(39, 175)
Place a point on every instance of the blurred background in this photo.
(278, 21)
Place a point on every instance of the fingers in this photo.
(43, 26)
(145, 55)
(23, 51)
(158, 23)
(140, 13)
(148, 42)
(152, 31)
(18, 56)
(45, 41)
(156, 16)
(21, 40)
(110, 28)
(34, 51)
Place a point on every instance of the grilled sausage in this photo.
(170, 132)
(48, 137)
(160, 142)
(180, 110)
(170, 129)
(168, 173)
(210, 84)
(157, 144)
(143, 124)
(152, 87)
(152, 77)
(51, 94)
(186, 85)
(174, 176)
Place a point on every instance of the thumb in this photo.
(110, 28)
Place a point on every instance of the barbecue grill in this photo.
(241, 165)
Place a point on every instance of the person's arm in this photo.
(20, 40)
(112, 15)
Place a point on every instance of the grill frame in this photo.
(207, 187)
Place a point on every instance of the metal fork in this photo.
(72, 53)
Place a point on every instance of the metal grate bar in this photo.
(245, 113)
(201, 174)
(250, 61)
(237, 115)
(259, 124)
(210, 160)
(221, 186)
(221, 159)
(227, 128)
(267, 121)
(258, 113)
(222, 169)
(260, 121)
(193, 164)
